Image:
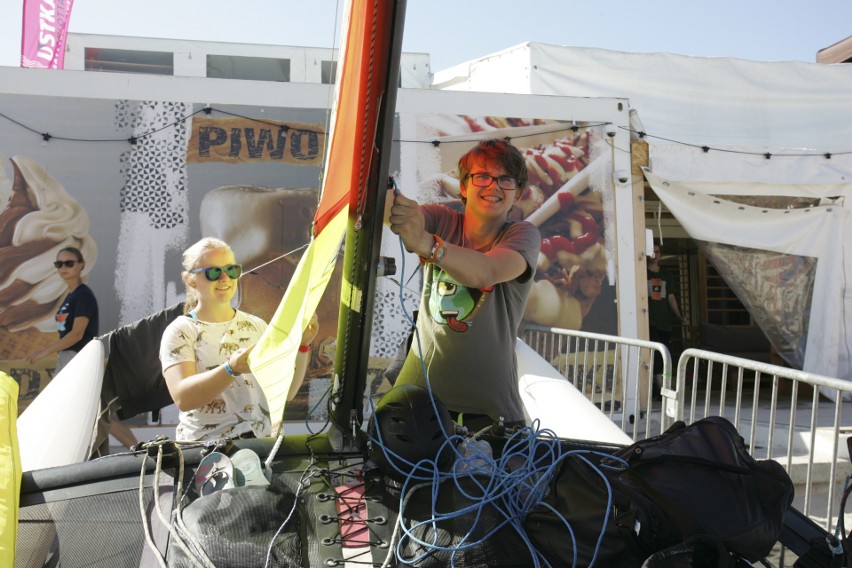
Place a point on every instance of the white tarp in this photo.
(770, 128)
(819, 232)
(713, 101)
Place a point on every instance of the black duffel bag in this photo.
(696, 480)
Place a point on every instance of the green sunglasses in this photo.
(213, 273)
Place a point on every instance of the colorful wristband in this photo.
(304, 348)
(229, 369)
(438, 252)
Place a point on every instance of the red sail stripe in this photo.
(359, 92)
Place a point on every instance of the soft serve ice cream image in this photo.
(39, 219)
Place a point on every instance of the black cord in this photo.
(841, 525)
(133, 140)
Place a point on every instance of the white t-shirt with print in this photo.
(241, 408)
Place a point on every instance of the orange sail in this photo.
(361, 85)
(357, 174)
(360, 131)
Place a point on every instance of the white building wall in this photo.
(190, 57)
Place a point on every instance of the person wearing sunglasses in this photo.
(77, 318)
(204, 354)
(478, 268)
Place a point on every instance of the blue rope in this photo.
(513, 485)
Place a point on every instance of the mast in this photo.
(370, 75)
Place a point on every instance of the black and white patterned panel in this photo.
(390, 323)
(155, 168)
(154, 204)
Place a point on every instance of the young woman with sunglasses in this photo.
(77, 318)
(204, 354)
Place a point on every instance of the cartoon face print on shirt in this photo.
(452, 304)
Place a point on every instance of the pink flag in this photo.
(44, 32)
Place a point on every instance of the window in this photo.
(329, 72)
(249, 68)
(127, 61)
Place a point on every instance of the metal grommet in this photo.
(332, 562)
(327, 541)
(325, 519)
(324, 497)
(383, 544)
(380, 520)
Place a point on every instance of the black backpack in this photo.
(692, 482)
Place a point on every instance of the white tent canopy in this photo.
(718, 102)
(719, 126)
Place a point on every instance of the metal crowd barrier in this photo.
(790, 416)
(613, 372)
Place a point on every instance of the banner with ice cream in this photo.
(45, 28)
(143, 203)
(40, 219)
(132, 183)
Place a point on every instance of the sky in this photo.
(456, 31)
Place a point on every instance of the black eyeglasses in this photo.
(484, 180)
(65, 263)
(213, 273)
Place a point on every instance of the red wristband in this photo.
(304, 348)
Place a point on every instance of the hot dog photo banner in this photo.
(568, 198)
